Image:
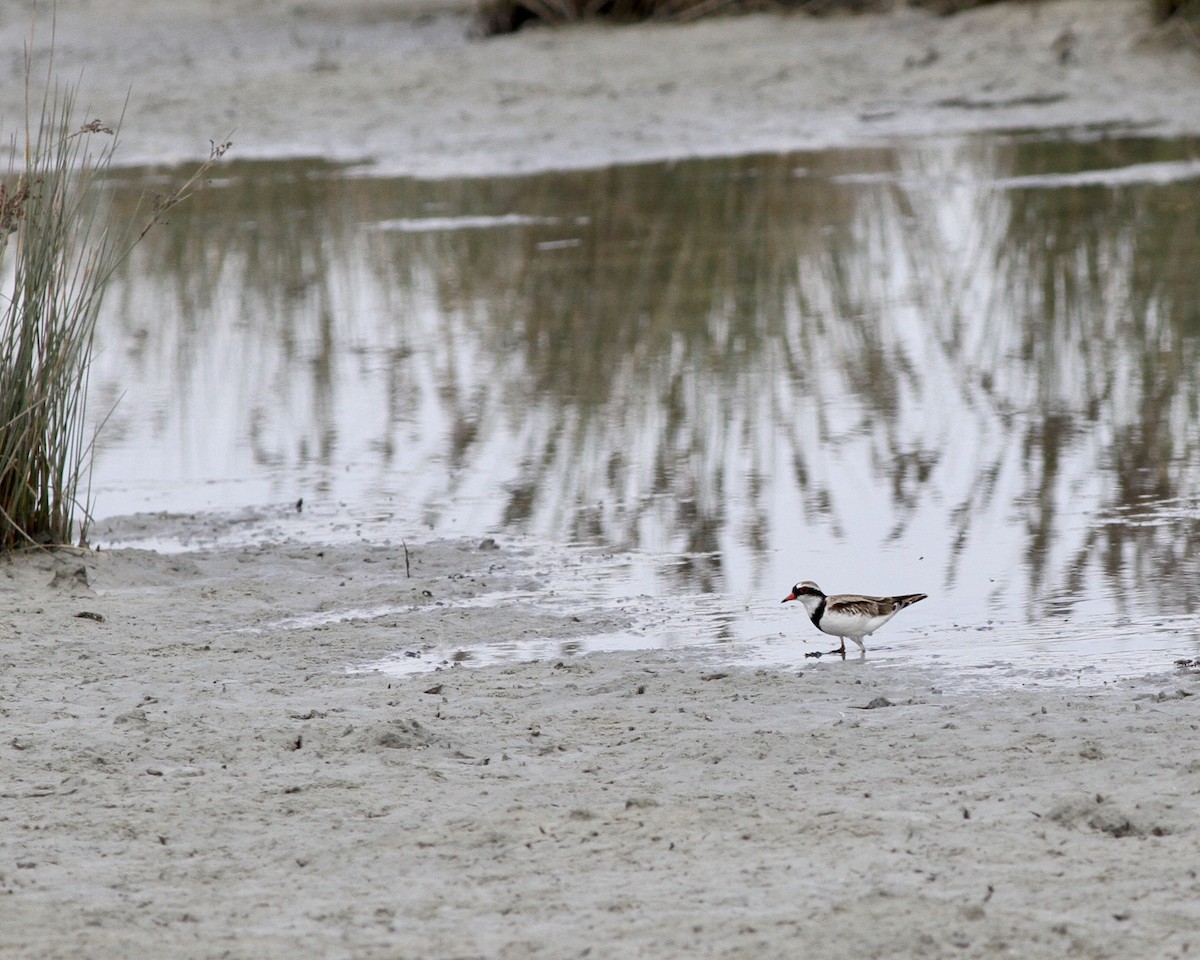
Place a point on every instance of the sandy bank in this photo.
(401, 85)
(195, 776)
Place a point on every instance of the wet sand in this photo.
(194, 767)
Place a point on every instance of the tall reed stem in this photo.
(62, 248)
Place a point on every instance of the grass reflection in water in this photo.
(930, 366)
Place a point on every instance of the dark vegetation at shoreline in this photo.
(508, 16)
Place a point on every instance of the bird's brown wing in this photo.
(854, 606)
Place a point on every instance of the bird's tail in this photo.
(909, 599)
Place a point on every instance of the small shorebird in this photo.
(846, 615)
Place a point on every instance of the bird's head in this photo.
(805, 588)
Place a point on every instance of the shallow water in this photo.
(963, 366)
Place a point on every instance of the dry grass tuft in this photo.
(506, 16)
